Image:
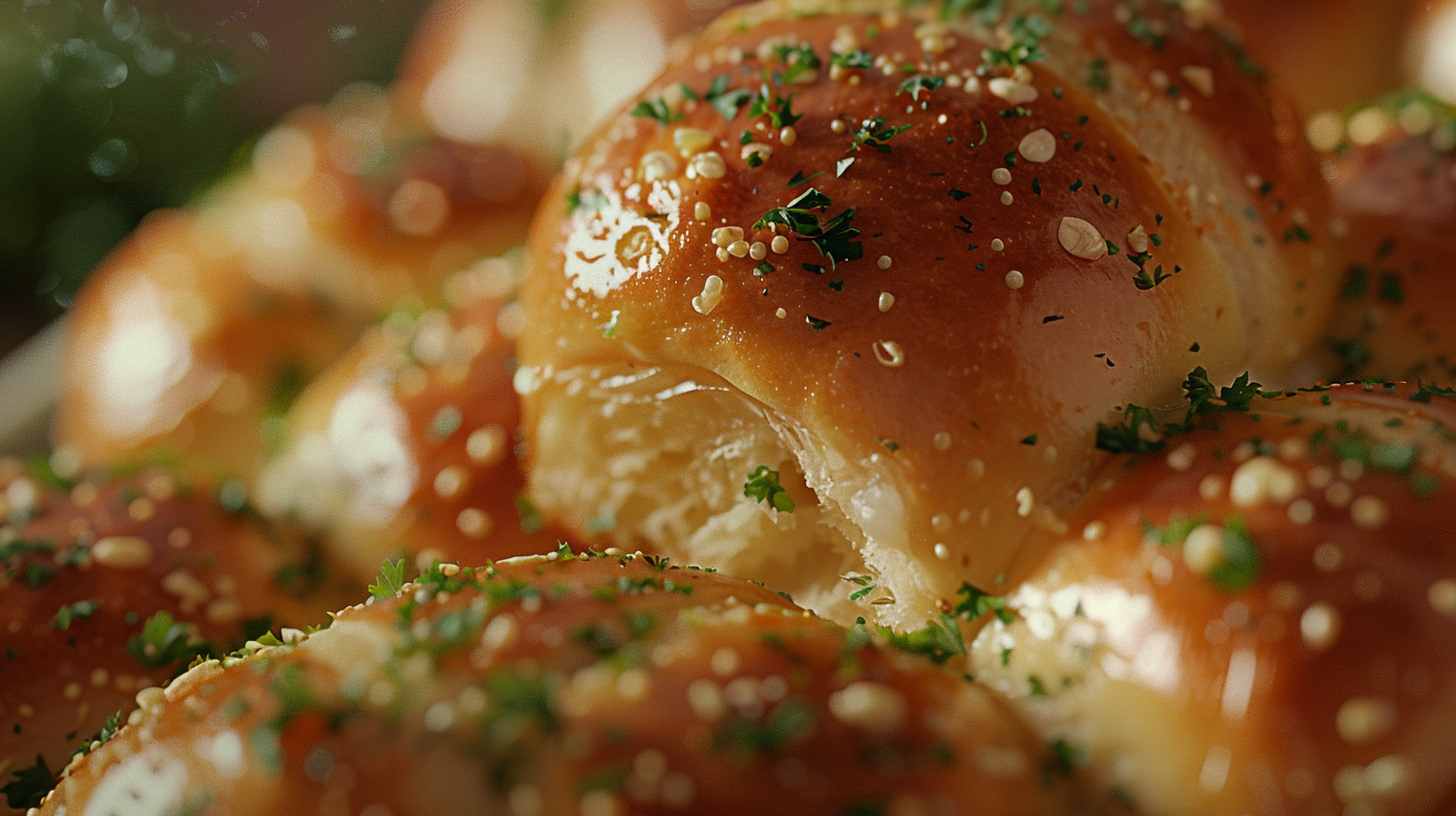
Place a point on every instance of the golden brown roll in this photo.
(1391, 167)
(599, 686)
(1330, 54)
(896, 268)
(1257, 617)
(205, 324)
(112, 585)
(406, 445)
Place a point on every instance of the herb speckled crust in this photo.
(1270, 596)
(573, 684)
(1086, 204)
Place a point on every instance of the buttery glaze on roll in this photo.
(602, 685)
(1258, 617)
(193, 337)
(112, 585)
(406, 445)
(1392, 170)
(895, 268)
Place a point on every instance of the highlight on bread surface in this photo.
(406, 445)
(591, 684)
(904, 262)
(195, 335)
(1256, 613)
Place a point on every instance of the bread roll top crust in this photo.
(939, 250)
(1270, 596)
(573, 685)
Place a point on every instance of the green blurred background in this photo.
(111, 108)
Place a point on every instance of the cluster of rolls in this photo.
(871, 422)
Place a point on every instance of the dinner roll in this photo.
(846, 293)
(1259, 616)
(204, 324)
(1330, 54)
(112, 585)
(407, 444)
(538, 77)
(592, 686)
(1391, 167)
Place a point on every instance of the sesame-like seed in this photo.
(691, 141)
(657, 165)
(779, 245)
(706, 700)
(99, 678)
(1301, 511)
(837, 125)
(1369, 513)
(702, 211)
(487, 445)
(940, 523)
(1442, 596)
(884, 262)
(1262, 479)
(889, 353)
(122, 552)
(997, 244)
(781, 313)
(872, 707)
(1203, 548)
(738, 249)
(941, 441)
(1025, 502)
(474, 522)
(711, 296)
(1319, 477)
(723, 255)
(450, 481)
(1001, 176)
(1325, 130)
(1362, 720)
(1014, 279)
(788, 136)
(1319, 626)
(1368, 126)
(976, 468)
(1137, 240)
(1080, 239)
(72, 691)
(758, 250)
(725, 662)
(709, 165)
(1181, 458)
(887, 300)
(1038, 146)
(942, 552)
(1017, 93)
(179, 538)
(1388, 775)
(723, 236)
(1094, 531)
(759, 149)
(1159, 79)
